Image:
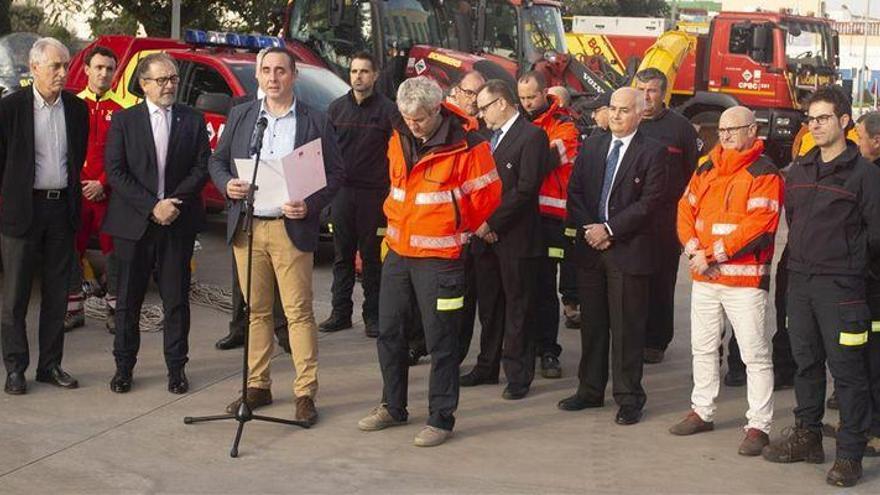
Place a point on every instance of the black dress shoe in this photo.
(231, 341)
(177, 382)
(121, 382)
(335, 323)
(550, 367)
(15, 383)
(514, 393)
(578, 403)
(416, 355)
(473, 379)
(58, 377)
(628, 415)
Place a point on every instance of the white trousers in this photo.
(746, 308)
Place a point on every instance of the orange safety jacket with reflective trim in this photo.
(100, 114)
(559, 125)
(434, 205)
(730, 210)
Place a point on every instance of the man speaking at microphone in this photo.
(285, 236)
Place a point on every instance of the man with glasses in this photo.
(464, 94)
(156, 162)
(43, 141)
(727, 220)
(832, 205)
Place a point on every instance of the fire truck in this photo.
(441, 39)
(765, 61)
(215, 68)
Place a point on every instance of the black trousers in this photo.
(47, 249)
(568, 282)
(545, 316)
(829, 320)
(874, 355)
(783, 361)
(436, 287)
(661, 302)
(239, 324)
(357, 219)
(615, 308)
(504, 295)
(469, 312)
(170, 251)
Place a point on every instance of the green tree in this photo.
(5, 23)
(629, 8)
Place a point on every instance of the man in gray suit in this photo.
(285, 236)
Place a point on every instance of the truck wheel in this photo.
(707, 128)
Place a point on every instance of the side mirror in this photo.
(762, 43)
(218, 103)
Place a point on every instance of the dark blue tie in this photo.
(496, 136)
(610, 165)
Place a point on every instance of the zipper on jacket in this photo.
(457, 213)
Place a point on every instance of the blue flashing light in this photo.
(234, 40)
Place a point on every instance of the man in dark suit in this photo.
(285, 236)
(156, 160)
(43, 138)
(510, 243)
(618, 182)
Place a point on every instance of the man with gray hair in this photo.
(443, 188)
(43, 140)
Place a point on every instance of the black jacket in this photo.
(682, 143)
(363, 131)
(833, 211)
(637, 192)
(235, 143)
(17, 166)
(132, 171)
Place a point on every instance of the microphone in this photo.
(257, 138)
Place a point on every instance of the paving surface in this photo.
(93, 441)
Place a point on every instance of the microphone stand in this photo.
(244, 412)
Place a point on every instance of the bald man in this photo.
(614, 192)
(727, 220)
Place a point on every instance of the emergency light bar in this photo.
(235, 40)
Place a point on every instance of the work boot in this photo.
(335, 323)
(431, 436)
(830, 430)
(550, 367)
(754, 442)
(844, 472)
(379, 419)
(416, 355)
(231, 341)
(283, 338)
(832, 402)
(305, 410)
(735, 377)
(572, 316)
(691, 424)
(872, 449)
(255, 397)
(797, 444)
(74, 319)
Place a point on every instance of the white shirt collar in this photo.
(153, 107)
(507, 125)
(625, 139)
(41, 102)
(265, 111)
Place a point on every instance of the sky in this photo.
(857, 6)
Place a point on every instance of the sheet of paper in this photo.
(304, 171)
(272, 192)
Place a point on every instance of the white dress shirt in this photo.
(278, 141)
(160, 122)
(625, 140)
(50, 143)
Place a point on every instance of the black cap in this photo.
(599, 101)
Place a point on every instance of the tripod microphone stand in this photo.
(244, 412)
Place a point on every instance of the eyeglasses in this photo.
(722, 131)
(467, 92)
(819, 119)
(163, 81)
(482, 109)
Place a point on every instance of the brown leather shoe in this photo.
(256, 398)
(754, 442)
(305, 410)
(692, 423)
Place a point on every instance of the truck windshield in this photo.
(310, 24)
(808, 43)
(543, 31)
(316, 87)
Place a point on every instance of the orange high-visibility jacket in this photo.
(730, 210)
(434, 206)
(100, 114)
(559, 125)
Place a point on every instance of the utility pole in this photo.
(175, 19)
(864, 67)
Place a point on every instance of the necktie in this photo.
(160, 137)
(496, 136)
(610, 165)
